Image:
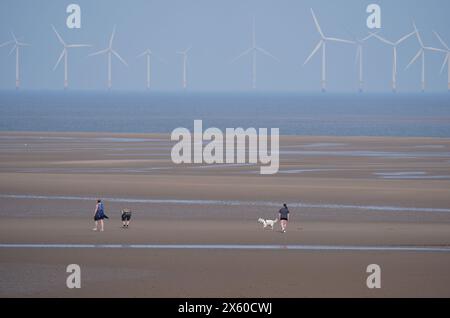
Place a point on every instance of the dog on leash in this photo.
(267, 222)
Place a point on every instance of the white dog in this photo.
(268, 222)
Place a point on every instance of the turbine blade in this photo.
(404, 38)
(445, 62)
(14, 37)
(340, 40)
(99, 52)
(371, 34)
(313, 52)
(58, 36)
(253, 33)
(241, 55)
(143, 54)
(433, 49)
(112, 37)
(12, 50)
(382, 39)
(78, 45)
(414, 58)
(317, 24)
(417, 34)
(267, 53)
(440, 40)
(59, 59)
(119, 57)
(6, 43)
(188, 49)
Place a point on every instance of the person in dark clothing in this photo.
(284, 217)
(99, 215)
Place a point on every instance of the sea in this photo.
(321, 114)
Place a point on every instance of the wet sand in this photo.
(343, 191)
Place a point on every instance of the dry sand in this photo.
(363, 191)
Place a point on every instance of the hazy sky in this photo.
(219, 30)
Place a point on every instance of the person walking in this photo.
(284, 217)
(99, 216)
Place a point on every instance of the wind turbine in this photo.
(17, 45)
(322, 43)
(147, 53)
(254, 49)
(110, 51)
(421, 53)
(184, 54)
(64, 54)
(359, 58)
(446, 60)
(394, 52)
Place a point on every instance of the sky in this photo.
(219, 30)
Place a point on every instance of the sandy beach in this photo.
(343, 192)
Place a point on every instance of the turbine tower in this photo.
(64, 54)
(147, 53)
(359, 59)
(254, 49)
(184, 54)
(17, 45)
(394, 52)
(322, 43)
(110, 52)
(446, 60)
(421, 53)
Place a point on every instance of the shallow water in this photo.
(235, 203)
(318, 248)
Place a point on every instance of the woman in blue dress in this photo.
(99, 215)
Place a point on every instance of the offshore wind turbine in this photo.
(110, 52)
(322, 44)
(64, 54)
(446, 60)
(421, 53)
(17, 45)
(394, 58)
(184, 55)
(254, 49)
(147, 53)
(359, 59)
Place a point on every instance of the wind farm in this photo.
(322, 46)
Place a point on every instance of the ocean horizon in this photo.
(309, 114)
